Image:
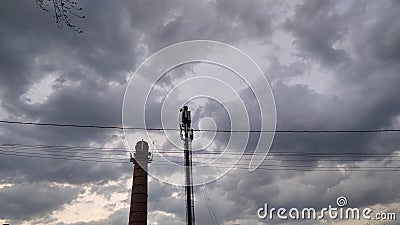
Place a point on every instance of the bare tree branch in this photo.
(63, 11)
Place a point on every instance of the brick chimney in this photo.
(138, 209)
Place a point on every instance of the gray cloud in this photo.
(118, 217)
(31, 200)
(318, 27)
(356, 43)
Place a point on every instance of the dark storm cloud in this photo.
(92, 69)
(104, 53)
(25, 201)
(368, 103)
(82, 94)
(317, 28)
(162, 198)
(21, 169)
(365, 98)
(176, 21)
(76, 105)
(365, 95)
(244, 193)
(75, 58)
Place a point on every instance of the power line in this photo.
(67, 149)
(209, 206)
(107, 156)
(304, 168)
(61, 158)
(121, 160)
(63, 146)
(179, 151)
(200, 130)
(290, 166)
(222, 166)
(166, 153)
(162, 192)
(199, 158)
(61, 155)
(60, 125)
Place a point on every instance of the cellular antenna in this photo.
(187, 136)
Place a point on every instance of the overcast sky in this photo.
(332, 65)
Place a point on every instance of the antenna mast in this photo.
(187, 137)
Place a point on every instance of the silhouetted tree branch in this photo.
(63, 10)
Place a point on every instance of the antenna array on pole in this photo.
(187, 137)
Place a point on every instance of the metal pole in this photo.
(187, 137)
(188, 191)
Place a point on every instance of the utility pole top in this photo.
(185, 127)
